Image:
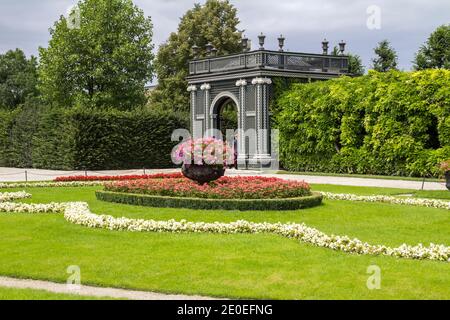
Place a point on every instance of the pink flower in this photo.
(204, 151)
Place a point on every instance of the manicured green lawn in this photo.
(360, 190)
(445, 195)
(29, 294)
(242, 266)
(433, 194)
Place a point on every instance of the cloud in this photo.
(406, 23)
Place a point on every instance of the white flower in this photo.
(431, 203)
(49, 184)
(8, 196)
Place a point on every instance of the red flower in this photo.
(224, 188)
(125, 177)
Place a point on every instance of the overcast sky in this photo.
(304, 23)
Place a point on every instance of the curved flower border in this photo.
(9, 196)
(421, 202)
(79, 213)
(50, 184)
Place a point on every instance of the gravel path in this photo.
(92, 291)
(14, 174)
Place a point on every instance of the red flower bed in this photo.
(128, 177)
(224, 188)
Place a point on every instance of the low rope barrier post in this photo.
(26, 176)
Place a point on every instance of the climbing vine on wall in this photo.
(394, 123)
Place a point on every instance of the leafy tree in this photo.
(435, 53)
(355, 65)
(386, 57)
(18, 78)
(214, 22)
(104, 61)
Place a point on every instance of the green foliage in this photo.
(228, 117)
(105, 62)
(211, 204)
(392, 123)
(279, 86)
(216, 22)
(435, 53)
(18, 78)
(17, 130)
(6, 120)
(21, 133)
(386, 57)
(81, 138)
(114, 139)
(355, 64)
(54, 140)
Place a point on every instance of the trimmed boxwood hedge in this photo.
(211, 204)
(87, 139)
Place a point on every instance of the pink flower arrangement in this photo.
(125, 177)
(223, 188)
(209, 151)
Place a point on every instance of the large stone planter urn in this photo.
(447, 179)
(202, 174)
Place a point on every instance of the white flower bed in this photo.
(79, 213)
(12, 207)
(17, 207)
(430, 203)
(9, 196)
(50, 184)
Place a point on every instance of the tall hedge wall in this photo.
(55, 138)
(394, 123)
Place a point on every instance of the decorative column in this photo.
(258, 83)
(193, 90)
(242, 153)
(265, 118)
(206, 87)
(262, 118)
